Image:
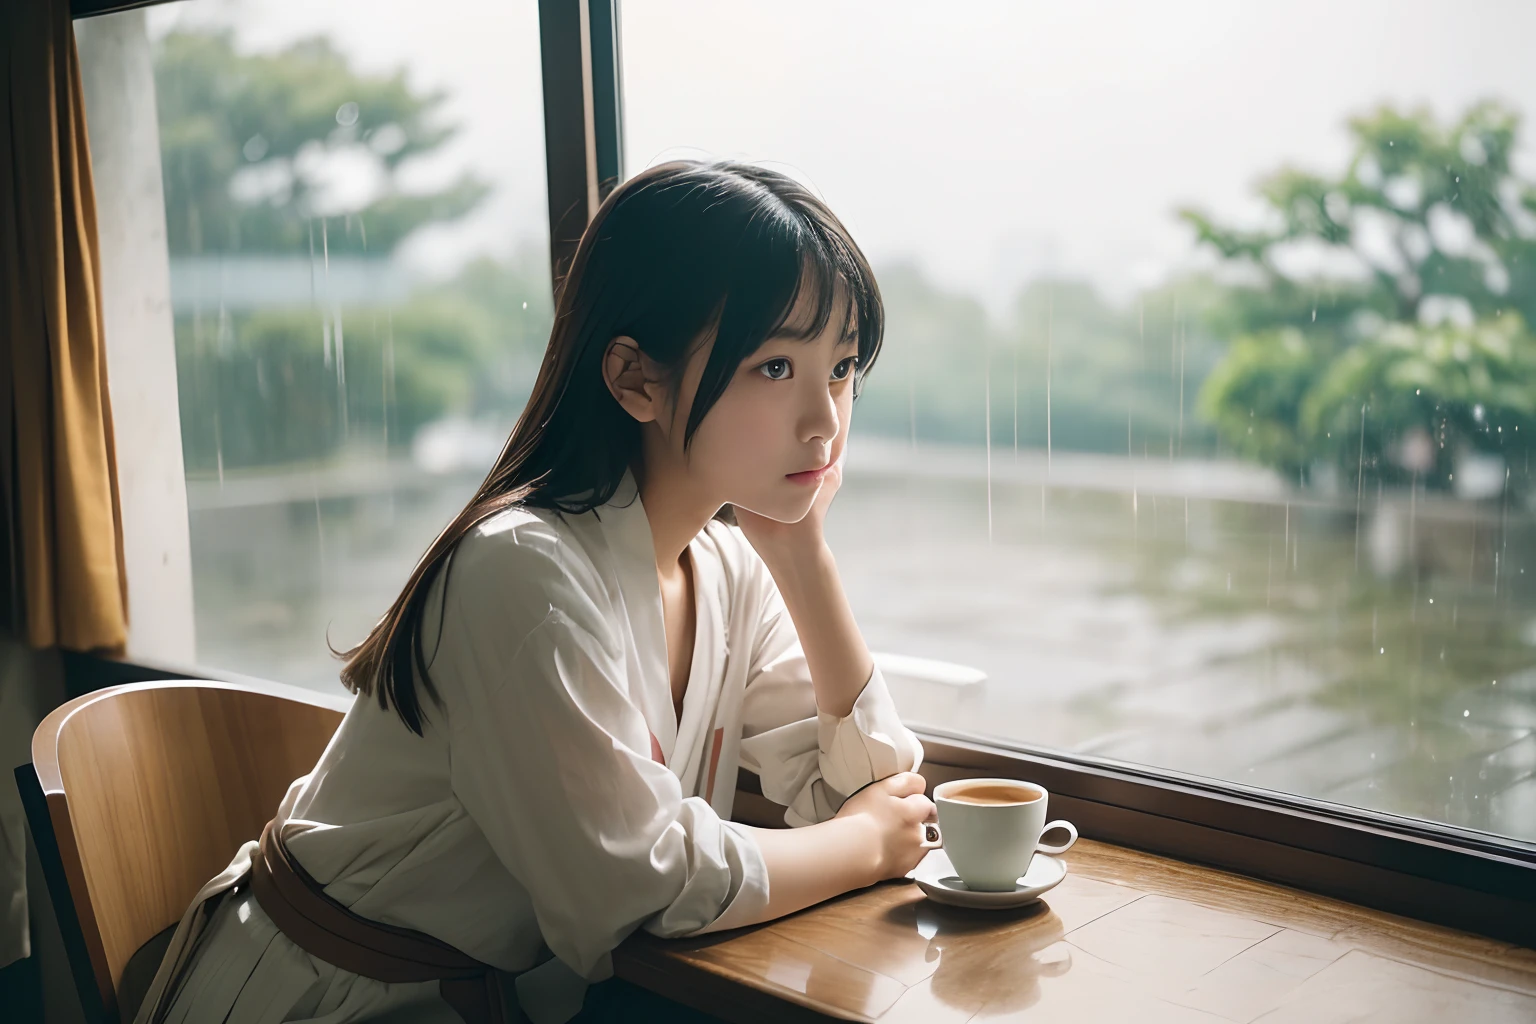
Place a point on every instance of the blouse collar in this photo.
(627, 532)
(631, 547)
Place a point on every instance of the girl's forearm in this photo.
(839, 660)
(815, 863)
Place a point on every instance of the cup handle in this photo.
(933, 839)
(1064, 847)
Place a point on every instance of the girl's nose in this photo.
(821, 421)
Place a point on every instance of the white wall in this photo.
(116, 67)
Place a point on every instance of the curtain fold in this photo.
(63, 537)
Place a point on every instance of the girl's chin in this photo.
(782, 510)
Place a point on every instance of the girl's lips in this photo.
(810, 476)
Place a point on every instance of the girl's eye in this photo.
(845, 368)
(770, 365)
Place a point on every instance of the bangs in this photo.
(794, 274)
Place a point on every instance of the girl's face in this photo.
(780, 423)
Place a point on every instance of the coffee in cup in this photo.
(992, 827)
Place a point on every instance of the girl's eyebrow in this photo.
(849, 339)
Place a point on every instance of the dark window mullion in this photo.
(573, 73)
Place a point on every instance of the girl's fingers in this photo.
(919, 807)
(908, 783)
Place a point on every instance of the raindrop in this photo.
(1287, 538)
(912, 412)
(314, 485)
(1269, 567)
(346, 114)
(389, 371)
(341, 369)
(525, 305)
(1050, 315)
(1359, 488)
(255, 147)
(1383, 650)
(1015, 405)
(987, 418)
(1466, 713)
(218, 445)
(1181, 387)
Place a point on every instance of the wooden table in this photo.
(1126, 937)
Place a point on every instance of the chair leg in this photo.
(40, 823)
(21, 989)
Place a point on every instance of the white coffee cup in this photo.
(991, 829)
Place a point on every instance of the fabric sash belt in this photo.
(328, 931)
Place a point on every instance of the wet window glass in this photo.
(357, 225)
(1201, 437)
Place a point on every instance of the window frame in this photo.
(1476, 881)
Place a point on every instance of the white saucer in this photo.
(935, 875)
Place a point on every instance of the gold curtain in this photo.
(62, 525)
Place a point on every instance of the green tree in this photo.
(1065, 367)
(248, 140)
(929, 379)
(1440, 231)
(266, 387)
(1115, 378)
(1419, 394)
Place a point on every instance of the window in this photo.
(356, 218)
(1204, 421)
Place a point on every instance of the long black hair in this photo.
(678, 252)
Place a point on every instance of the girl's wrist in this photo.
(793, 564)
(868, 851)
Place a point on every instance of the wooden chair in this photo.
(139, 794)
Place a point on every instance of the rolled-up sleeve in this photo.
(809, 760)
(550, 757)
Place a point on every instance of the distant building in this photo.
(234, 282)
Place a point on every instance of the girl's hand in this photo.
(895, 810)
(774, 539)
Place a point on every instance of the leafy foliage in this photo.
(1439, 389)
(1418, 264)
(297, 385)
(1065, 368)
(250, 141)
(251, 144)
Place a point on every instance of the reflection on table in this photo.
(1126, 936)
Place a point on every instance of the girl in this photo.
(638, 601)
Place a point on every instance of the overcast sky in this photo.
(986, 141)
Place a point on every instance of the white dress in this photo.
(555, 800)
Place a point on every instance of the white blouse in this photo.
(556, 799)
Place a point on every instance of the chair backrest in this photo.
(149, 789)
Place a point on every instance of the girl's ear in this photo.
(633, 379)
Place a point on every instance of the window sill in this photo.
(1469, 880)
